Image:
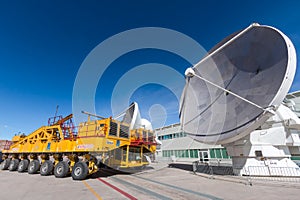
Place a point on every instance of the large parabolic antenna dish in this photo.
(233, 90)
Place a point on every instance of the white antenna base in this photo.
(267, 151)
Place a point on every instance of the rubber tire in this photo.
(33, 167)
(13, 165)
(46, 168)
(80, 171)
(5, 164)
(61, 169)
(23, 165)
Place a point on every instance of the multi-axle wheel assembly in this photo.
(79, 169)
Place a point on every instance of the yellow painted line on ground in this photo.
(92, 190)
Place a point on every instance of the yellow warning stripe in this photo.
(92, 190)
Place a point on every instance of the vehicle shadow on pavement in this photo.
(106, 172)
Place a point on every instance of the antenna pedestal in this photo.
(268, 151)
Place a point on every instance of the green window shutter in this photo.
(212, 153)
(224, 153)
(196, 153)
(295, 158)
(186, 153)
(218, 153)
(191, 153)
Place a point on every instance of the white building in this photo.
(177, 146)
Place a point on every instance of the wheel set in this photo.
(62, 169)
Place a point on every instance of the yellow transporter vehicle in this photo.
(58, 149)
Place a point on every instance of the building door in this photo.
(203, 155)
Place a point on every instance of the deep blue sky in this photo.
(43, 43)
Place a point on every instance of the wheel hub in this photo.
(59, 170)
(77, 171)
(44, 168)
(21, 165)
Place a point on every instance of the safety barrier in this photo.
(273, 171)
(279, 174)
(212, 168)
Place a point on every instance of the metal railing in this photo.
(212, 169)
(278, 174)
(273, 171)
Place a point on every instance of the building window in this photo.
(186, 153)
(219, 153)
(194, 153)
(295, 158)
(224, 154)
(212, 153)
(172, 136)
(180, 153)
(168, 153)
(258, 154)
(181, 134)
